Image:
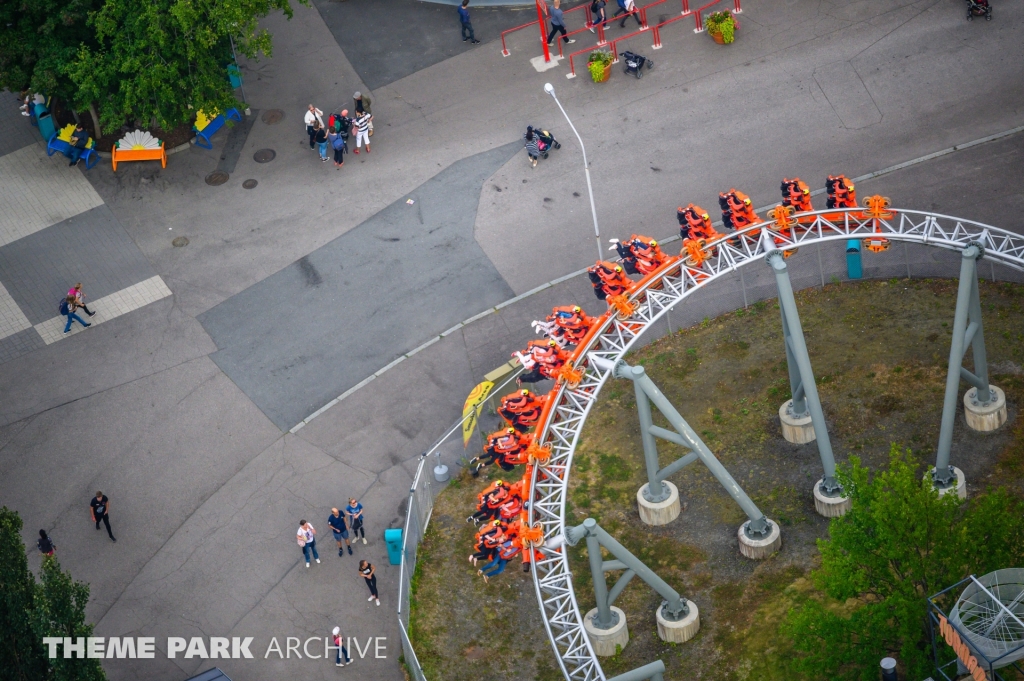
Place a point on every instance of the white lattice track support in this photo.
(564, 423)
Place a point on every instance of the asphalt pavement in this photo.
(290, 292)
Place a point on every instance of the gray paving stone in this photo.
(20, 344)
(409, 272)
(15, 130)
(91, 247)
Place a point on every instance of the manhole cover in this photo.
(264, 156)
(250, 184)
(180, 241)
(217, 177)
(271, 116)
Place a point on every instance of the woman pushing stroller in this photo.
(538, 143)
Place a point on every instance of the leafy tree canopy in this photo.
(900, 543)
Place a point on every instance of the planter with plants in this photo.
(599, 63)
(721, 26)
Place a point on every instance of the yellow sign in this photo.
(962, 651)
(471, 410)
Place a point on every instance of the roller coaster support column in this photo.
(652, 671)
(678, 619)
(758, 537)
(805, 405)
(984, 404)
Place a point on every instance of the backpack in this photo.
(331, 121)
(338, 143)
(63, 307)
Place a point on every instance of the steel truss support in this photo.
(801, 376)
(646, 393)
(967, 331)
(673, 609)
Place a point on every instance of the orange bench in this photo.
(138, 155)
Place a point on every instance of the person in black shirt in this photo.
(337, 522)
(100, 509)
(45, 544)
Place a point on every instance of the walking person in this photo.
(339, 643)
(313, 115)
(467, 27)
(45, 544)
(362, 131)
(597, 17)
(67, 308)
(361, 104)
(320, 137)
(337, 522)
(354, 511)
(306, 537)
(557, 24)
(532, 148)
(627, 7)
(79, 295)
(367, 571)
(99, 508)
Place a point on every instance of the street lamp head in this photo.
(549, 88)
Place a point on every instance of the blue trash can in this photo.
(235, 76)
(45, 122)
(853, 264)
(393, 538)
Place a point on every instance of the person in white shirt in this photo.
(306, 537)
(628, 7)
(362, 130)
(312, 116)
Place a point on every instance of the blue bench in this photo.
(89, 155)
(203, 136)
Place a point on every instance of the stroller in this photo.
(545, 140)
(977, 8)
(635, 63)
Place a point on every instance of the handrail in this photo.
(504, 50)
(560, 427)
(700, 21)
(657, 30)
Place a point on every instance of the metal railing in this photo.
(565, 416)
(417, 518)
(699, 17)
(543, 26)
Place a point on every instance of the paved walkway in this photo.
(177, 407)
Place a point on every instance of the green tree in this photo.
(59, 610)
(161, 61)
(30, 611)
(38, 40)
(900, 543)
(21, 653)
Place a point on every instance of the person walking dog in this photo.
(306, 537)
(67, 308)
(99, 508)
(354, 511)
(467, 27)
(367, 571)
(313, 115)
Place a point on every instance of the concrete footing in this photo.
(960, 488)
(758, 549)
(799, 431)
(661, 512)
(681, 631)
(605, 641)
(985, 417)
(830, 507)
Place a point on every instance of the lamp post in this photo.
(548, 88)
